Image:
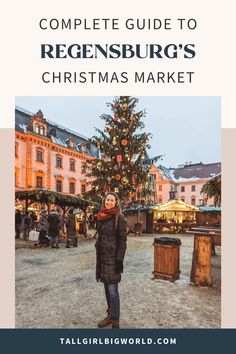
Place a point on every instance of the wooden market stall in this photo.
(41, 198)
(174, 216)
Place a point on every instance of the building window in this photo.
(59, 186)
(58, 161)
(16, 177)
(201, 201)
(72, 165)
(42, 130)
(37, 128)
(193, 189)
(39, 182)
(182, 199)
(72, 188)
(193, 201)
(160, 188)
(83, 188)
(16, 149)
(159, 200)
(39, 155)
(83, 168)
(182, 188)
(72, 143)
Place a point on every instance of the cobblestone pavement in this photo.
(56, 288)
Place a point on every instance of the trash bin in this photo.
(166, 258)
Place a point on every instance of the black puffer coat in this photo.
(110, 247)
(53, 224)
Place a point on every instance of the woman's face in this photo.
(110, 201)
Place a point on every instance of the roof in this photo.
(171, 205)
(60, 135)
(46, 195)
(190, 172)
(206, 208)
(175, 205)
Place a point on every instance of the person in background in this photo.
(26, 226)
(71, 229)
(54, 228)
(110, 252)
(33, 217)
(96, 225)
(43, 228)
(18, 221)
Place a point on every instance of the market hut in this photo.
(40, 198)
(209, 215)
(174, 216)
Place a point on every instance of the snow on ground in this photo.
(57, 289)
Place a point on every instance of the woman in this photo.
(71, 229)
(110, 246)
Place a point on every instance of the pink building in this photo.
(184, 183)
(50, 156)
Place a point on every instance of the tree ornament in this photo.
(124, 142)
(124, 181)
(99, 165)
(125, 106)
(117, 177)
(133, 180)
(119, 158)
(114, 141)
(116, 116)
(116, 190)
(116, 167)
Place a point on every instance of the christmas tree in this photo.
(122, 146)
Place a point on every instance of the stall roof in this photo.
(46, 195)
(175, 205)
(206, 208)
(171, 205)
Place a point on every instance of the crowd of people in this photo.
(49, 225)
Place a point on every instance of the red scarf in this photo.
(105, 213)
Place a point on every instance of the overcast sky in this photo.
(184, 128)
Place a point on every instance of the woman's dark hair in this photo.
(117, 205)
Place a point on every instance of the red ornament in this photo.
(119, 158)
(116, 116)
(117, 177)
(133, 180)
(124, 142)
